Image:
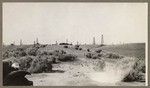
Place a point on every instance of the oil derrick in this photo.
(37, 41)
(34, 43)
(20, 41)
(66, 40)
(102, 40)
(56, 43)
(93, 40)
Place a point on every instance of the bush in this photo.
(89, 55)
(58, 52)
(98, 51)
(42, 53)
(93, 55)
(88, 50)
(5, 54)
(25, 62)
(19, 49)
(80, 48)
(137, 73)
(31, 51)
(40, 65)
(65, 46)
(113, 56)
(67, 57)
(76, 46)
(22, 53)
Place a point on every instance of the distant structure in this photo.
(56, 43)
(93, 40)
(102, 40)
(37, 41)
(77, 42)
(66, 40)
(20, 41)
(34, 43)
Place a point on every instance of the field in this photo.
(83, 71)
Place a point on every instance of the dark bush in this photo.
(22, 53)
(80, 48)
(40, 65)
(65, 46)
(113, 56)
(25, 62)
(88, 50)
(137, 73)
(89, 55)
(42, 53)
(31, 51)
(98, 51)
(58, 52)
(67, 57)
(76, 46)
(94, 55)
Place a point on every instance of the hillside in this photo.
(131, 50)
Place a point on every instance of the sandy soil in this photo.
(79, 73)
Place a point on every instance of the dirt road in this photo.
(78, 73)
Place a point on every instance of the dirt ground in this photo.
(79, 73)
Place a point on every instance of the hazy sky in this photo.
(118, 22)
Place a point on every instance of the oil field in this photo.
(74, 44)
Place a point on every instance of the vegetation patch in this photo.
(137, 73)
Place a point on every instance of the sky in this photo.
(51, 22)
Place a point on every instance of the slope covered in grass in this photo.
(132, 50)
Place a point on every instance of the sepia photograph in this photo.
(74, 44)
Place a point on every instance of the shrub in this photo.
(42, 53)
(58, 52)
(5, 54)
(22, 53)
(80, 48)
(76, 48)
(65, 46)
(88, 50)
(93, 55)
(89, 55)
(19, 49)
(67, 57)
(25, 62)
(137, 72)
(31, 51)
(98, 51)
(40, 65)
(113, 56)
